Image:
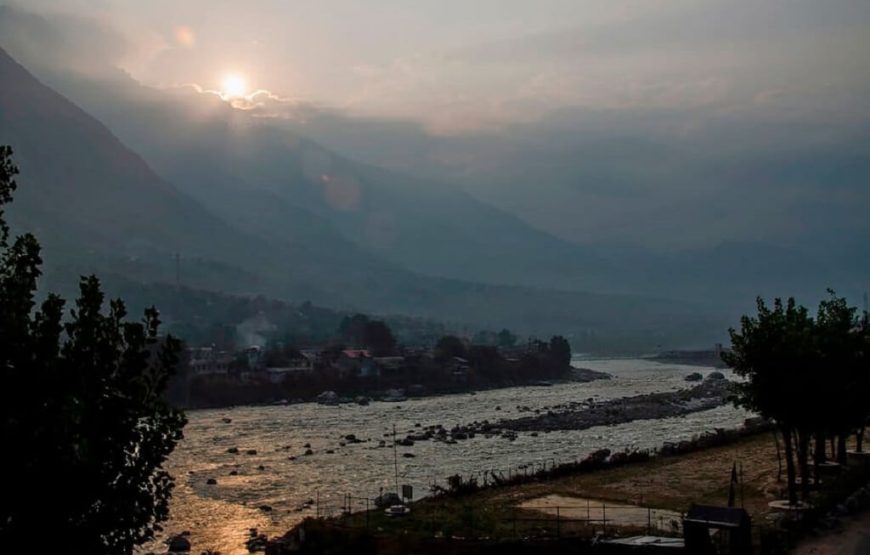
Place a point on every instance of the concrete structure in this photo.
(208, 361)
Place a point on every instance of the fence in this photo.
(595, 516)
(514, 521)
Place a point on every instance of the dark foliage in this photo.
(361, 331)
(809, 375)
(84, 428)
(560, 350)
(450, 346)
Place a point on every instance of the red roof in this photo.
(356, 353)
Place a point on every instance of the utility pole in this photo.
(396, 460)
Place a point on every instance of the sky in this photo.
(460, 66)
(668, 125)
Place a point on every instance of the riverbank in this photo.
(565, 509)
(711, 358)
(581, 415)
(633, 491)
(222, 393)
(257, 455)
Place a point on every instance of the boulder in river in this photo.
(694, 377)
(327, 398)
(716, 376)
(178, 544)
(395, 396)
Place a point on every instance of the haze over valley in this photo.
(436, 276)
(655, 223)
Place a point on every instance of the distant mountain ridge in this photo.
(222, 158)
(97, 206)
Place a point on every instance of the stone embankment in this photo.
(581, 415)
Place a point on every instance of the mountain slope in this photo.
(92, 199)
(693, 205)
(97, 207)
(222, 156)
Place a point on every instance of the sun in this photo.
(233, 85)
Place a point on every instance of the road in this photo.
(852, 539)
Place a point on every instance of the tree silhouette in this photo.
(82, 419)
(560, 350)
(774, 352)
(352, 329)
(843, 374)
(810, 376)
(378, 338)
(361, 331)
(450, 346)
(506, 338)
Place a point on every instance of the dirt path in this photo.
(671, 482)
(852, 539)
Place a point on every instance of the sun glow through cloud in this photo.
(233, 85)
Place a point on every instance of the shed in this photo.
(729, 528)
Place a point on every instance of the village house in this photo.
(301, 365)
(356, 362)
(314, 357)
(208, 361)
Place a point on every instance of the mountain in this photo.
(97, 206)
(695, 205)
(93, 201)
(227, 160)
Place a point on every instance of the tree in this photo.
(450, 346)
(560, 350)
(82, 418)
(352, 329)
(484, 337)
(775, 354)
(361, 331)
(843, 374)
(810, 376)
(506, 338)
(862, 390)
(378, 338)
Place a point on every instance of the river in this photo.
(219, 516)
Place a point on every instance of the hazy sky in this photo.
(459, 64)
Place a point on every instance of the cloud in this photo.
(469, 70)
(69, 42)
(715, 55)
(261, 103)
